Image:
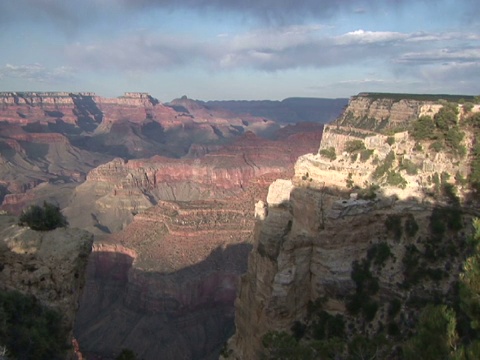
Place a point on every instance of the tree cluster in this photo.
(29, 330)
(43, 218)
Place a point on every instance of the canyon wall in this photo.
(182, 232)
(337, 210)
(49, 265)
(172, 274)
(382, 112)
(53, 138)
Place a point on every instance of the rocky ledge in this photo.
(49, 265)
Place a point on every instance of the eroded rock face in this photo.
(119, 189)
(172, 273)
(58, 138)
(49, 265)
(305, 245)
(379, 113)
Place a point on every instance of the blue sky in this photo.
(249, 49)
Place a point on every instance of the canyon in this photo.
(166, 189)
(195, 206)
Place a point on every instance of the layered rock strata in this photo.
(172, 272)
(382, 112)
(314, 229)
(119, 189)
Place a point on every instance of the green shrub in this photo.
(379, 253)
(29, 330)
(327, 326)
(475, 168)
(393, 223)
(453, 139)
(445, 218)
(382, 168)
(126, 354)
(467, 107)
(409, 166)
(412, 271)
(396, 179)
(390, 140)
(349, 182)
(365, 282)
(354, 146)
(365, 154)
(436, 146)
(329, 153)
(411, 226)
(394, 308)
(43, 218)
(423, 128)
(446, 116)
(369, 193)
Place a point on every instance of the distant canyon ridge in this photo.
(168, 190)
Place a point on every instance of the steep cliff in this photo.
(369, 230)
(172, 274)
(380, 112)
(49, 265)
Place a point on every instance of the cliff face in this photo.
(173, 272)
(376, 112)
(48, 265)
(328, 222)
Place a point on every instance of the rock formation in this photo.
(390, 111)
(114, 192)
(341, 206)
(49, 265)
(51, 138)
(179, 261)
(172, 272)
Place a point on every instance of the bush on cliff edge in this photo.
(43, 218)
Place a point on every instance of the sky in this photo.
(240, 49)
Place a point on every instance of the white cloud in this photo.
(36, 72)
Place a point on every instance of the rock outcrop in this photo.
(174, 267)
(173, 272)
(119, 189)
(340, 206)
(49, 265)
(380, 112)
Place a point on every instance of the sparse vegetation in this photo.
(409, 166)
(354, 146)
(369, 192)
(382, 168)
(396, 179)
(393, 223)
(365, 154)
(329, 153)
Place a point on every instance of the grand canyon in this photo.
(214, 232)
(168, 190)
